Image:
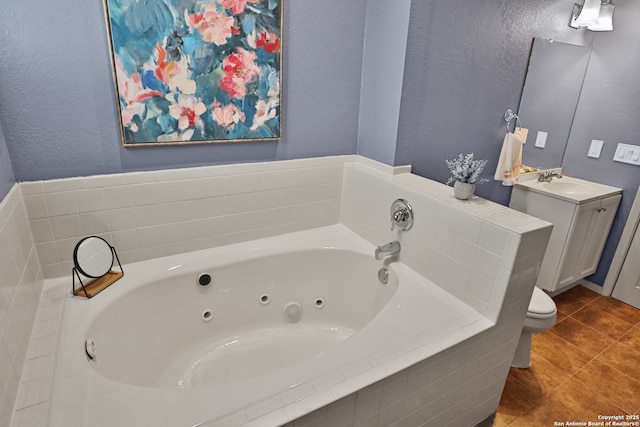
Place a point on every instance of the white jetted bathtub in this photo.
(286, 325)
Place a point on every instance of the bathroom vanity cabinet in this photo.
(581, 214)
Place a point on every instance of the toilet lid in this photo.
(541, 304)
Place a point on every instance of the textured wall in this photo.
(465, 65)
(607, 111)
(57, 98)
(7, 178)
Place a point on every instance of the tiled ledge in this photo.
(20, 286)
(146, 215)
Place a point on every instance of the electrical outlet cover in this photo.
(541, 139)
(595, 149)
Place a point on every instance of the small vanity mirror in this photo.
(93, 258)
(550, 98)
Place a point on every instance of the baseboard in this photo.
(591, 286)
(587, 284)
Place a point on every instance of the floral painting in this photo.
(190, 71)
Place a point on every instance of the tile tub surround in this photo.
(468, 248)
(20, 287)
(147, 215)
(493, 253)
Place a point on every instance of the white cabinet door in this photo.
(591, 226)
(584, 221)
(592, 249)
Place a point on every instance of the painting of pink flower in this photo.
(227, 116)
(269, 41)
(239, 69)
(264, 111)
(174, 74)
(196, 71)
(187, 112)
(132, 93)
(236, 6)
(213, 27)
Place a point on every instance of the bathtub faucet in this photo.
(387, 250)
(401, 215)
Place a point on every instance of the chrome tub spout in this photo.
(391, 248)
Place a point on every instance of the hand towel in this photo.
(510, 160)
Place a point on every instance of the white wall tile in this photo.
(59, 185)
(42, 230)
(19, 270)
(94, 223)
(52, 270)
(36, 205)
(63, 203)
(443, 241)
(92, 200)
(65, 227)
(493, 238)
(147, 194)
(272, 180)
(36, 187)
(117, 197)
(122, 219)
(470, 229)
(47, 252)
(481, 287)
(32, 416)
(460, 278)
(510, 251)
(449, 219)
(486, 262)
(124, 241)
(103, 181)
(464, 251)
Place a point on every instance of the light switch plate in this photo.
(627, 153)
(595, 149)
(541, 139)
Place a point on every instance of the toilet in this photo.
(541, 316)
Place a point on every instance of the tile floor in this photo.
(585, 366)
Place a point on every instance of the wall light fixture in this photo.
(596, 15)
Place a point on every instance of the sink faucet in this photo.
(547, 175)
(391, 248)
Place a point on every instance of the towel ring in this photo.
(510, 115)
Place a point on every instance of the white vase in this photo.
(463, 190)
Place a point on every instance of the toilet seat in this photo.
(541, 305)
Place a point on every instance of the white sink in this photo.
(568, 187)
